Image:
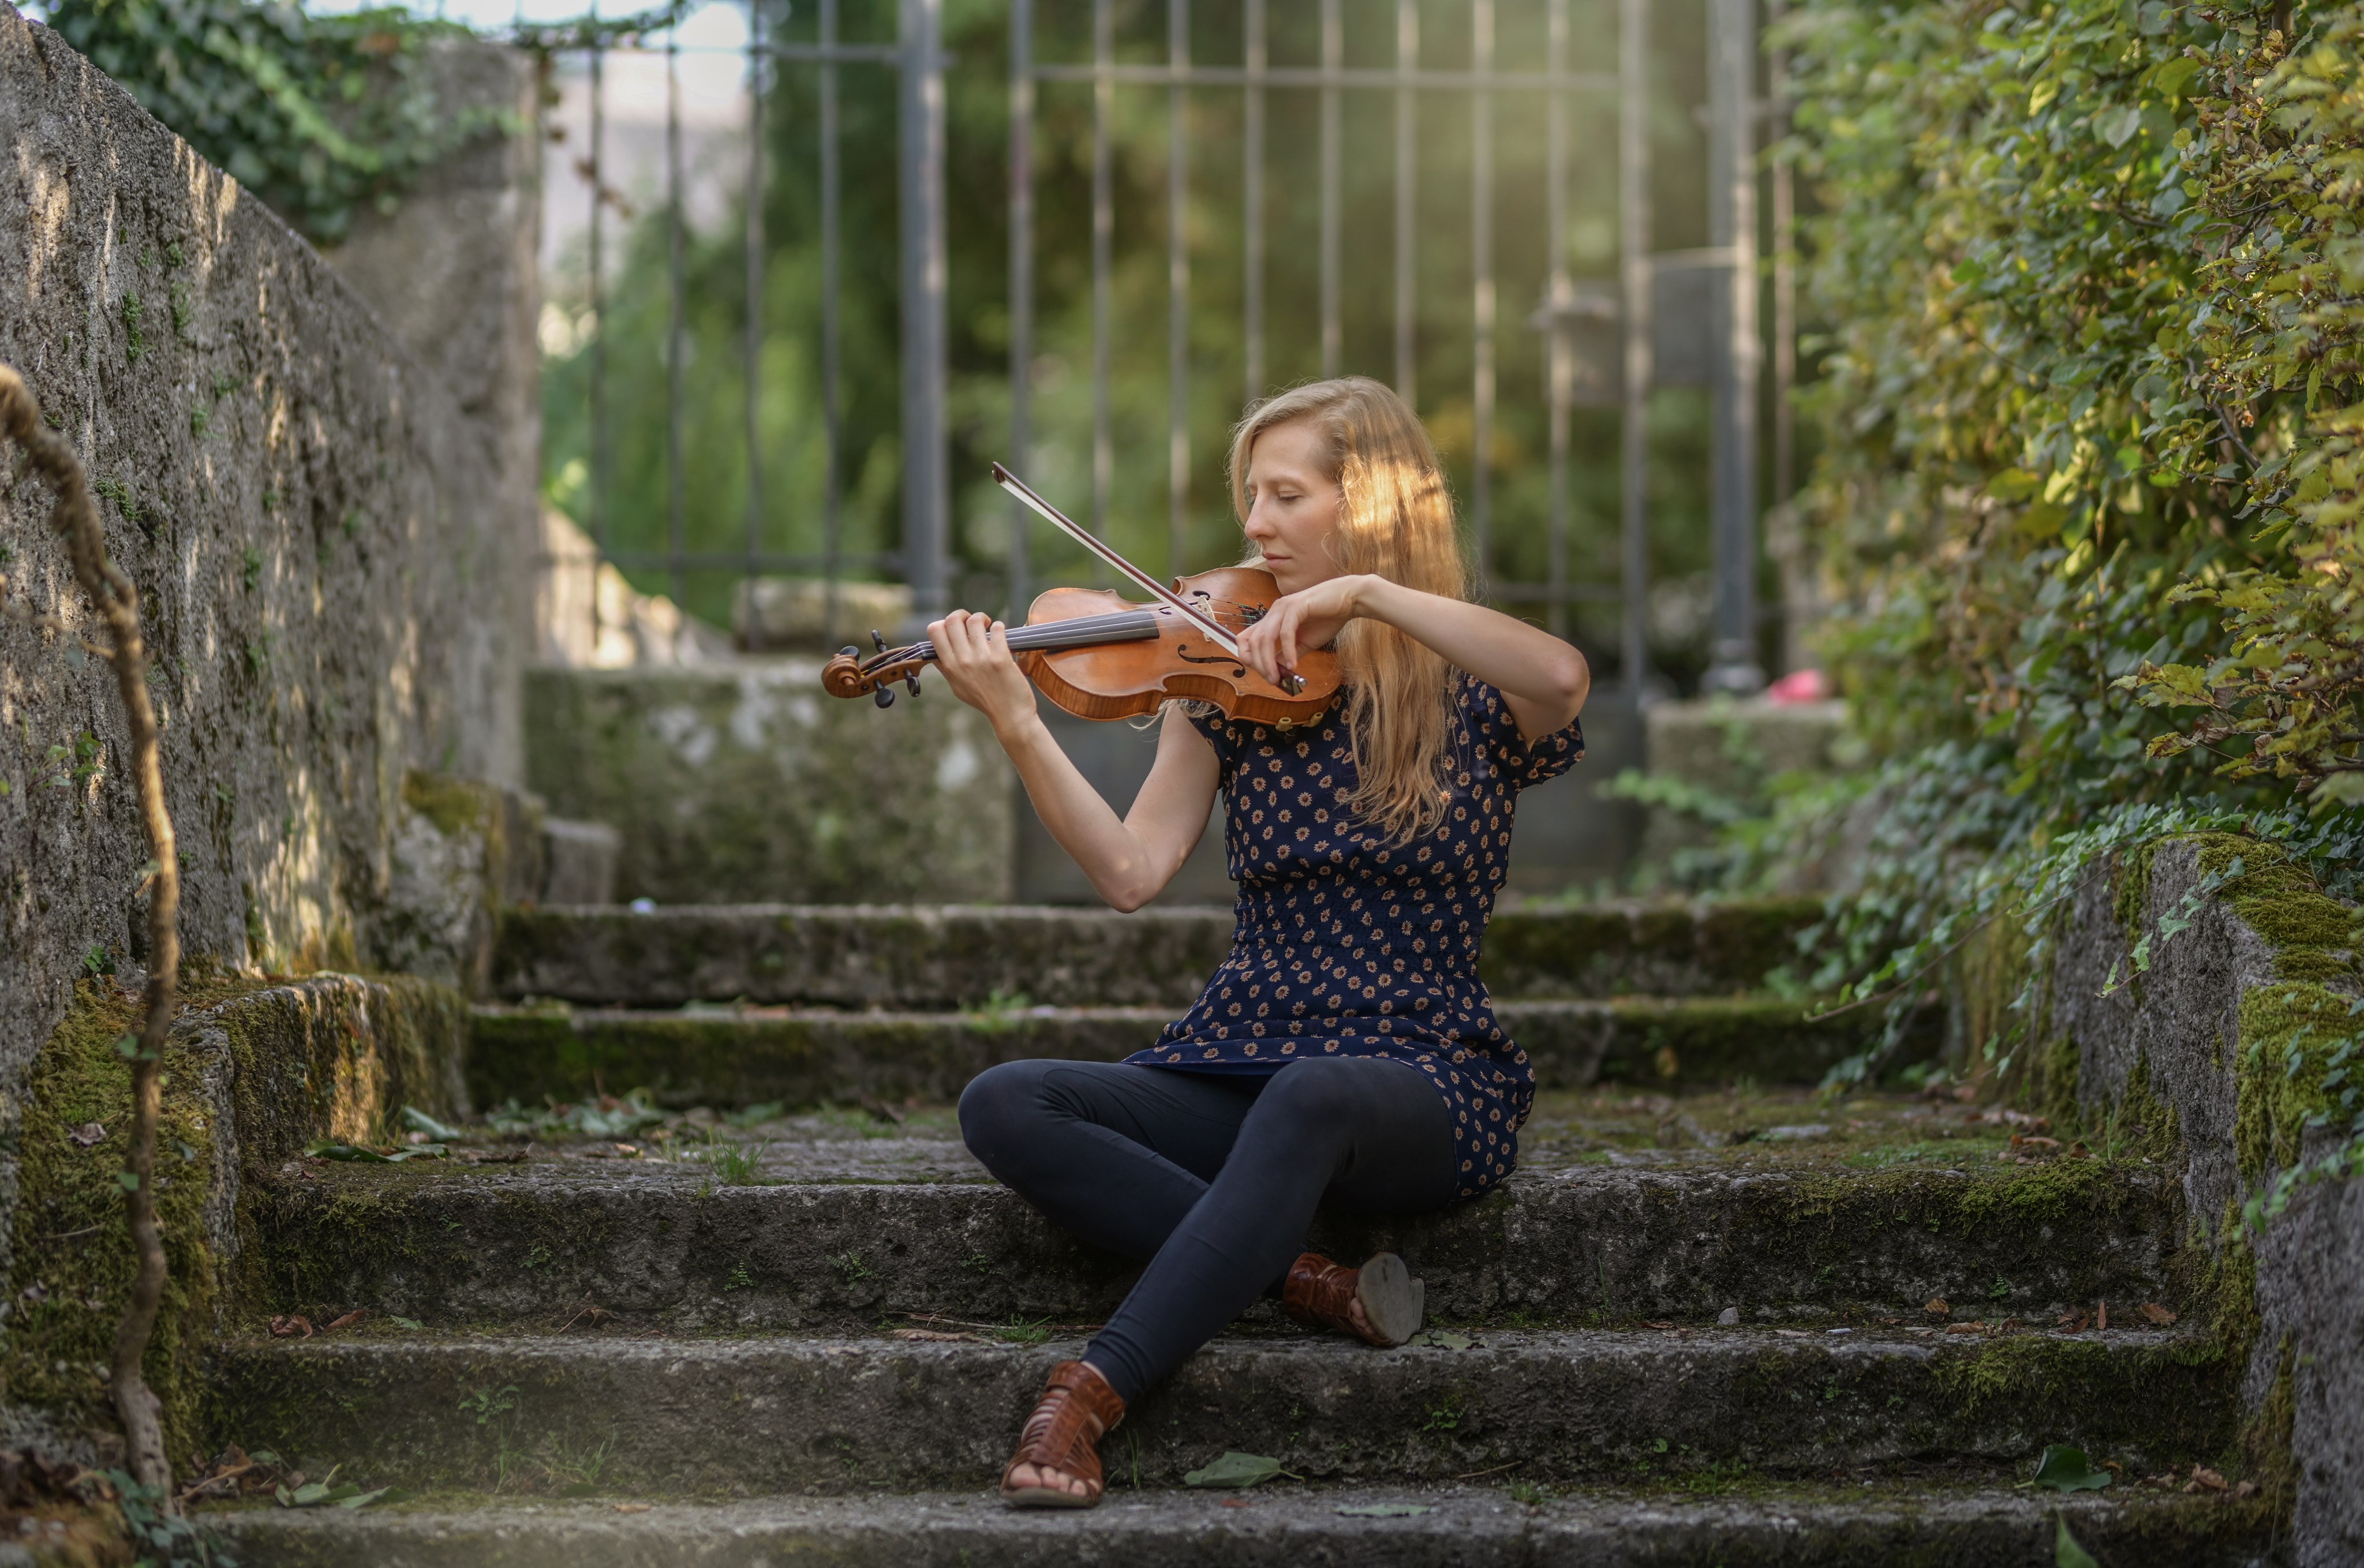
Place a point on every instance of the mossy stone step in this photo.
(1280, 1525)
(719, 1416)
(811, 1057)
(959, 956)
(858, 1231)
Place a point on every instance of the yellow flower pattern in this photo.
(1347, 945)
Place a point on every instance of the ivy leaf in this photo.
(2066, 1552)
(1237, 1470)
(2065, 1469)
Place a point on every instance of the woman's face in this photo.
(1293, 506)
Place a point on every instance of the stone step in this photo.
(707, 1416)
(808, 1057)
(1280, 1525)
(858, 1231)
(956, 956)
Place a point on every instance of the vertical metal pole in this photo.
(1558, 369)
(1795, 597)
(677, 496)
(1103, 245)
(1177, 293)
(1407, 131)
(1252, 200)
(1634, 278)
(757, 62)
(1482, 304)
(833, 434)
(926, 498)
(1022, 290)
(1784, 279)
(600, 455)
(1732, 225)
(1333, 59)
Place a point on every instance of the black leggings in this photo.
(1214, 1178)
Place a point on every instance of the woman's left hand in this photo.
(1311, 617)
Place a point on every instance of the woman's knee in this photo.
(1319, 1092)
(1000, 1107)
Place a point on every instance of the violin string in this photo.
(1046, 635)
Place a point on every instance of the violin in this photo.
(1100, 656)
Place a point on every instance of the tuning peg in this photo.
(878, 640)
(885, 696)
(912, 682)
(850, 651)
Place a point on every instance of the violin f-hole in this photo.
(1182, 652)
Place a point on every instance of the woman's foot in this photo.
(1379, 1302)
(1057, 1464)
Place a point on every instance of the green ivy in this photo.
(2087, 268)
(318, 115)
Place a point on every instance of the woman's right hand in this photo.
(973, 652)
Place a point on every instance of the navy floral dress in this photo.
(1351, 946)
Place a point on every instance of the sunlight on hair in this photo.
(1398, 524)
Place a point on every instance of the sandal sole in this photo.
(1393, 1301)
(1043, 1497)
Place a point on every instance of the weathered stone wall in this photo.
(2214, 1055)
(253, 1074)
(745, 782)
(320, 531)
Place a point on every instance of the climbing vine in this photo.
(2088, 403)
(320, 116)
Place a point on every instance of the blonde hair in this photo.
(1396, 522)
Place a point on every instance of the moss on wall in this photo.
(334, 1056)
(73, 1262)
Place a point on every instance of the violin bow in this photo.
(1100, 548)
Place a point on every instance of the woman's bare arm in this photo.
(1129, 860)
(1544, 679)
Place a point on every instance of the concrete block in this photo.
(747, 782)
(581, 858)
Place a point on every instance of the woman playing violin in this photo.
(1345, 1052)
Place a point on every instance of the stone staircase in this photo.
(1713, 1319)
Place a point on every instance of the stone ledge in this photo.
(1283, 1526)
(963, 955)
(662, 1243)
(703, 1415)
(827, 1057)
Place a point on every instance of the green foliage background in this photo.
(318, 115)
(2090, 273)
(715, 471)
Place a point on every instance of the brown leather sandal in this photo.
(1318, 1293)
(1076, 1410)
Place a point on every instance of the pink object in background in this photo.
(1799, 686)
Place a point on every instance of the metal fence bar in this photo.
(833, 433)
(600, 472)
(1145, 75)
(1784, 200)
(927, 491)
(676, 495)
(1732, 222)
(1021, 290)
(754, 346)
(770, 560)
(1177, 291)
(1252, 201)
(1481, 303)
(1634, 277)
(831, 52)
(1559, 368)
(1407, 132)
(1334, 54)
(1103, 243)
